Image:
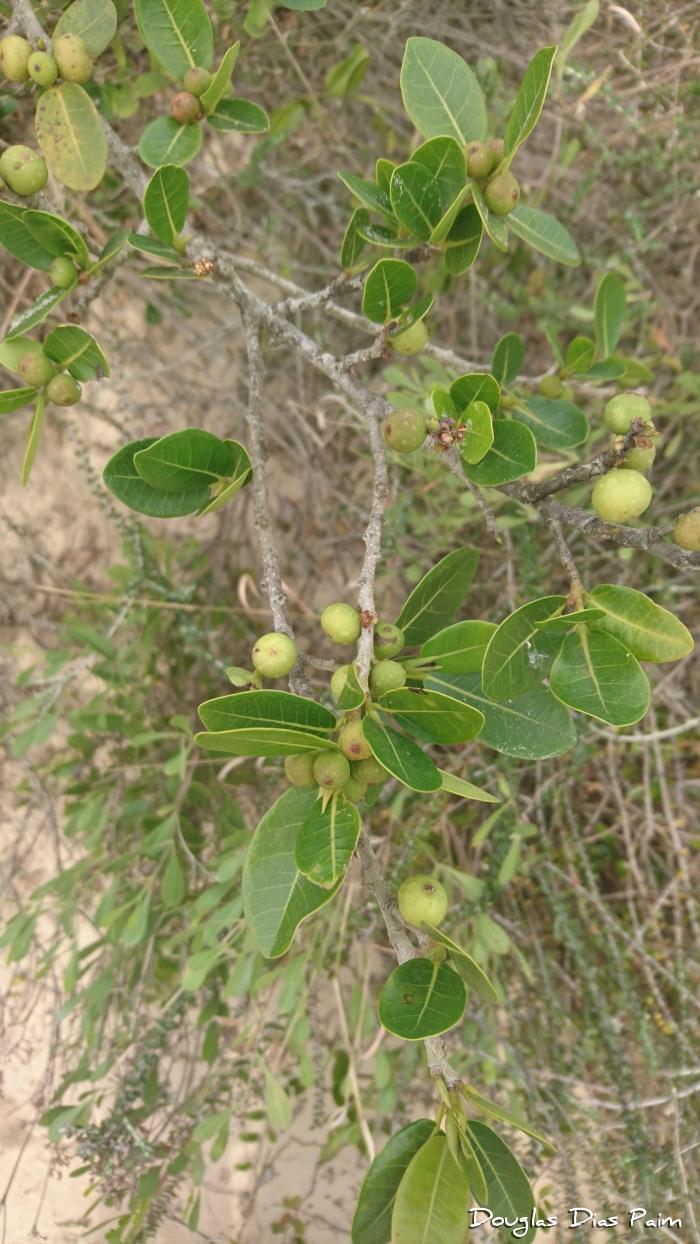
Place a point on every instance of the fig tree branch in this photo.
(455, 465)
(649, 539)
(567, 561)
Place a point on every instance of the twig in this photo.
(648, 539)
(605, 461)
(655, 734)
(567, 561)
(455, 465)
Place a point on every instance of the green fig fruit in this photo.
(497, 146)
(196, 81)
(300, 769)
(621, 495)
(339, 679)
(23, 169)
(63, 390)
(72, 58)
(274, 655)
(480, 159)
(185, 107)
(36, 369)
(369, 772)
(14, 57)
(502, 194)
(386, 676)
(422, 898)
(63, 272)
(353, 790)
(639, 458)
(353, 743)
(405, 430)
(331, 770)
(550, 386)
(388, 640)
(341, 623)
(621, 410)
(411, 340)
(42, 69)
(686, 533)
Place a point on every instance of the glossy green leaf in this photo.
(389, 287)
(19, 241)
(153, 246)
(165, 141)
(606, 369)
(635, 372)
(508, 358)
(276, 896)
(520, 655)
(165, 203)
(476, 386)
(648, 631)
(352, 696)
(432, 1202)
(610, 307)
(111, 248)
(71, 136)
(263, 741)
(401, 756)
(57, 236)
(415, 198)
(495, 226)
(512, 455)
(556, 424)
(353, 242)
(210, 98)
(509, 1194)
(533, 726)
(326, 840)
(94, 21)
(370, 195)
(445, 161)
(124, 482)
(478, 436)
(440, 93)
(77, 351)
(178, 32)
(560, 625)
(239, 476)
(421, 999)
(486, 1106)
(544, 233)
(432, 717)
(470, 971)
(435, 600)
(460, 648)
(443, 405)
(529, 102)
(382, 173)
(383, 235)
(267, 708)
(185, 460)
(595, 674)
(36, 312)
(239, 115)
(466, 790)
(371, 1223)
(463, 241)
(444, 225)
(35, 428)
(15, 399)
(580, 355)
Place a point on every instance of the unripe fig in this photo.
(63, 390)
(354, 791)
(339, 679)
(72, 58)
(621, 410)
(42, 68)
(300, 769)
(422, 898)
(497, 146)
(353, 743)
(274, 655)
(36, 369)
(386, 676)
(567, 393)
(14, 57)
(550, 386)
(480, 159)
(63, 272)
(508, 402)
(388, 640)
(621, 495)
(639, 458)
(185, 107)
(502, 194)
(411, 340)
(686, 533)
(23, 169)
(196, 81)
(405, 430)
(341, 623)
(331, 770)
(369, 772)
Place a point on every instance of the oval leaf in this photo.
(124, 482)
(389, 287)
(533, 726)
(459, 649)
(15, 399)
(165, 141)
(239, 115)
(276, 896)
(432, 1202)
(37, 312)
(544, 233)
(433, 717)
(556, 424)
(77, 351)
(185, 460)
(263, 741)
(353, 242)
(415, 198)
(440, 93)
(478, 386)
(507, 358)
(509, 1194)
(326, 841)
(610, 307)
(595, 674)
(436, 599)
(421, 999)
(648, 631)
(57, 236)
(519, 655)
(19, 241)
(178, 32)
(71, 136)
(463, 241)
(401, 756)
(445, 161)
(165, 203)
(374, 197)
(466, 790)
(269, 709)
(371, 1223)
(528, 105)
(95, 21)
(478, 435)
(512, 455)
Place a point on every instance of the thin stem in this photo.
(455, 465)
(567, 561)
